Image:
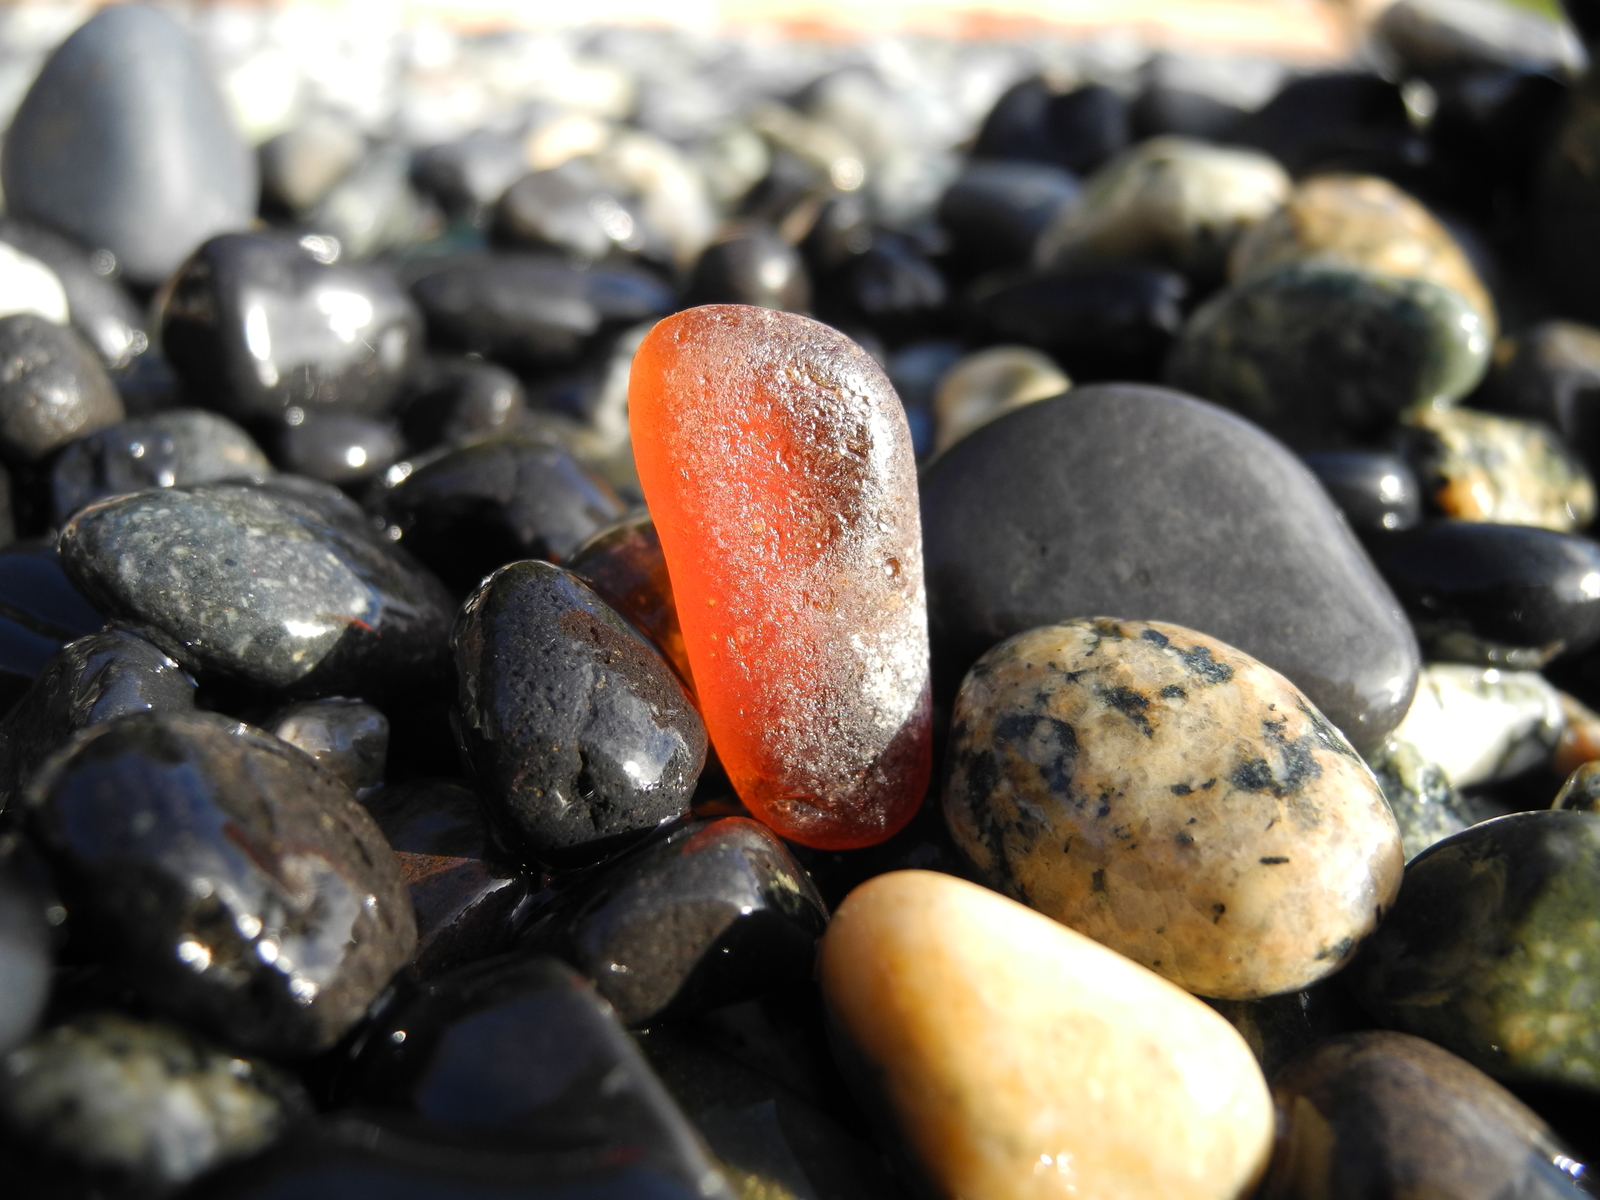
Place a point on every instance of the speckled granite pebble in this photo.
(1420, 794)
(1171, 797)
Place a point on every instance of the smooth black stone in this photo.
(714, 913)
(995, 210)
(467, 895)
(99, 308)
(1017, 127)
(1087, 126)
(347, 738)
(532, 310)
(568, 209)
(336, 447)
(87, 682)
(520, 1060)
(40, 611)
(1151, 505)
(466, 176)
(256, 326)
(1163, 108)
(1108, 323)
(124, 143)
(892, 289)
(167, 449)
(580, 736)
(232, 882)
(373, 207)
(302, 164)
(54, 388)
(1339, 120)
(1551, 373)
(1508, 585)
(479, 506)
(453, 399)
(842, 232)
(266, 586)
(149, 385)
(750, 265)
(24, 958)
(1376, 492)
(1489, 133)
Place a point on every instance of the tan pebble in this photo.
(1023, 1061)
(983, 385)
(1173, 798)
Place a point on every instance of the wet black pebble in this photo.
(995, 211)
(714, 913)
(570, 210)
(892, 289)
(468, 175)
(1376, 492)
(53, 388)
(1078, 130)
(1334, 121)
(453, 399)
(40, 611)
(232, 883)
(750, 265)
(99, 307)
(339, 448)
(579, 734)
(348, 738)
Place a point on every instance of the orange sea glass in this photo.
(778, 467)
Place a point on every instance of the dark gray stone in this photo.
(581, 738)
(300, 165)
(467, 175)
(52, 388)
(275, 590)
(453, 400)
(40, 611)
(100, 309)
(569, 209)
(125, 144)
(750, 264)
(1146, 504)
(348, 738)
(336, 447)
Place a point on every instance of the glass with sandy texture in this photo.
(777, 464)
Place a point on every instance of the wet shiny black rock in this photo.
(347, 738)
(100, 309)
(1376, 492)
(256, 325)
(40, 611)
(1551, 373)
(568, 209)
(466, 176)
(532, 310)
(579, 735)
(477, 507)
(520, 1063)
(1143, 501)
(467, 895)
(1106, 323)
(455, 399)
(230, 881)
(995, 211)
(1393, 1115)
(339, 448)
(126, 92)
(1336, 120)
(750, 264)
(52, 389)
(1475, 590)
(87, 682)
(273, 588)
(166, 449)
(24, 958)
(1162, 108)
(714, 913)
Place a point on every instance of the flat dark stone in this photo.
(54, 388)
(1146, 504)
(1376, 492)
(232, 882)
(347, 738)
(263, 586)
(124, 143)
(580, 736)
(714, 913)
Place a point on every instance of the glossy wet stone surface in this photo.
(1480, 467)
(981, 386)
(624, 565)
(52, 389)
(466, 894)
(1374, 491)
(520, 1063)
(147, 1103)
(1491, 949)
(1320, 355)
(233, 883)
(259, 325)
(995, 1042)
(1420, 793)
(1168, 796)
(1146, 503)
(456, 399)
(476, 507)
(24, 957)
(1551, 373)
(40, 611)
(260, 585)
(339, 448)
(1482, 724)
(347, 738)
(167, 449)
(1500, 595)
(714, 913)
(124, 143)
(579, 735)
(1386, 1113)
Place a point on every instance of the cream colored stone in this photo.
(983, 385)
(1023, 1061)
(1173, 798)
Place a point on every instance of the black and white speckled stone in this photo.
(24, 957)
(1172, 798)
(1144, 502)
(231, 881)
(1425, 803)
(166, 449)
(261, 586)
(714, 913)
(579, 734)
(1482, 724)
(347, 738)
(52, 388)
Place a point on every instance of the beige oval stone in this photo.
(1365, 222)
(983, 385)
(1173, 798)
(1023, 1061)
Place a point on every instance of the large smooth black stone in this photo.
(1146, 504)
(231, 881)
(1087, 125)
(1376, 492)
(995, 210)
(124, 143)
(257, 326)
(98, 306)
(53, 389)
(269, 587)
(579, 734)
(714, 913)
